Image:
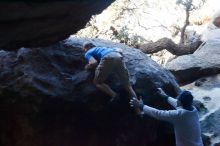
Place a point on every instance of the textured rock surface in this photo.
(204, 61)
(211, 126)
(48, 99)
(37, 23)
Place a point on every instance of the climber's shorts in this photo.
(112, 62)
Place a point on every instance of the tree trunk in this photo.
(169, 45)
(185, 25)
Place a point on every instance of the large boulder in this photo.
(47, 98)
(39, 23)
(204, 61)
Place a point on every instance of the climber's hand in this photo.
(134, 102)
(162, 93)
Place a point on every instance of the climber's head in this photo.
(185, 99)
(87, 46)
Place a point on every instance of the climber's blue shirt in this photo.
(97, 52)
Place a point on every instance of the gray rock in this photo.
(200, 107)
(206, 98)
(211, 125)
(203, 62)
(48, 99)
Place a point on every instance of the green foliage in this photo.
(123, 36)
(178, 2)
(123, 33)
(189, 5)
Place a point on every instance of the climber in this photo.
(184, 118)
(107, 60)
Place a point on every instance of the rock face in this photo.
(207, 91)
(204, 61)
(211, 126)
(48, 99)
(37, 23)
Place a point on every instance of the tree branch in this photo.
(169, 45)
